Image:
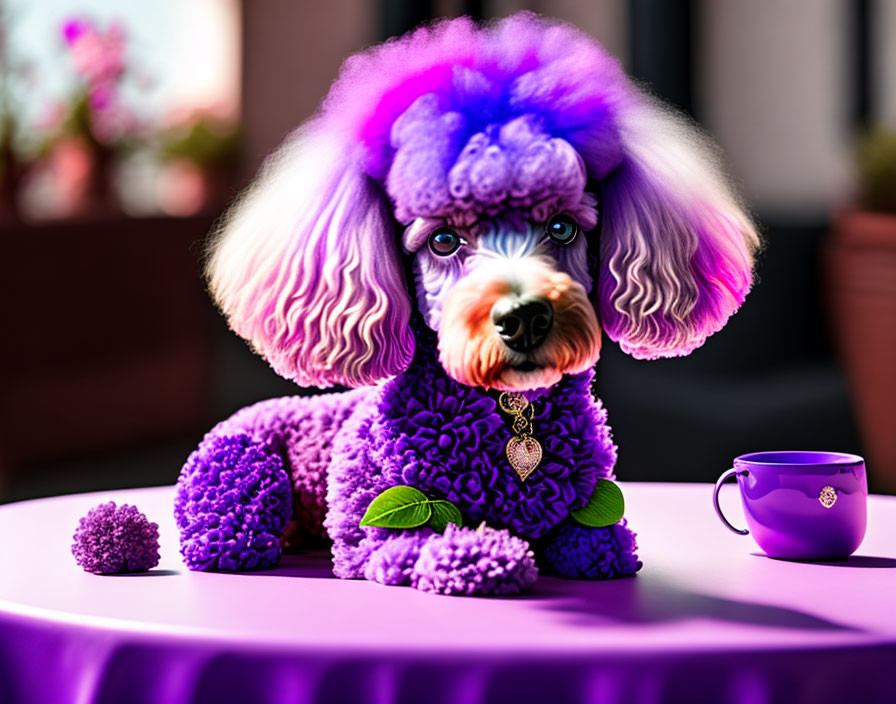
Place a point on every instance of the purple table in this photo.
(708, 619)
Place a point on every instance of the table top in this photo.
(703, 594)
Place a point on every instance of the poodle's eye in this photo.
(561, 228)
(444, 242)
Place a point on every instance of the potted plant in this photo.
(861, 275)
(93, 127)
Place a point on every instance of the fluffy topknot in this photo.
(483, 75)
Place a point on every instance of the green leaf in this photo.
(443, 513)
(605, 507)
(398, 507)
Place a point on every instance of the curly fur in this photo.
(490, 131)
(232, 504)
(486, 561)
(581, 552)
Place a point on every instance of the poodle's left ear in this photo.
(306, 267)
(676, 246)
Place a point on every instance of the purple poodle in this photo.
(449, 236)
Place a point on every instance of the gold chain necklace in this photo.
(523, 450)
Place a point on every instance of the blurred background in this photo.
(125, 128)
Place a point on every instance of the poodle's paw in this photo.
(392, 562)
(466, 562)
(582, 552)
(233, 501)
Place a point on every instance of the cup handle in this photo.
(715, 502)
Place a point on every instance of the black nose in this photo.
(522, 323)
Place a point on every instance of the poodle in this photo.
(472, 207)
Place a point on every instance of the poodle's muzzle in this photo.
(514, 319)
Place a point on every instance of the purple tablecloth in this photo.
(708, 619)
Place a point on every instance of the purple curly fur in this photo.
(524, 64)
(517, 165)
(111, 539)
(394, 556)
(232, 504)
(300, 431)
(582, 552)
(464, 561)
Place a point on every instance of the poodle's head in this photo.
(537, 196)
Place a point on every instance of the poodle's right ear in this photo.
(306, 267)
(676, 245)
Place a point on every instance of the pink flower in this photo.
(97, 57)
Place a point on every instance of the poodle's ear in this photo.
(306, 267)
(676, 246)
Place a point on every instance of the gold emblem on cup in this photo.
(827, 497)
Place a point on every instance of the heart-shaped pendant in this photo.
(524, 454)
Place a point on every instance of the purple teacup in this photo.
(801, 505)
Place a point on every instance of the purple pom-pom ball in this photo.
(113, 539)
(466, 562)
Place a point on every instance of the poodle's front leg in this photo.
(233, 502)
(576, 551)
(460, 561)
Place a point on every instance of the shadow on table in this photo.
(315, 564)
(150, 573)
(641, 600)
(864, 561)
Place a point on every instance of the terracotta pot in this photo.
(75, 180)
(860, 262)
